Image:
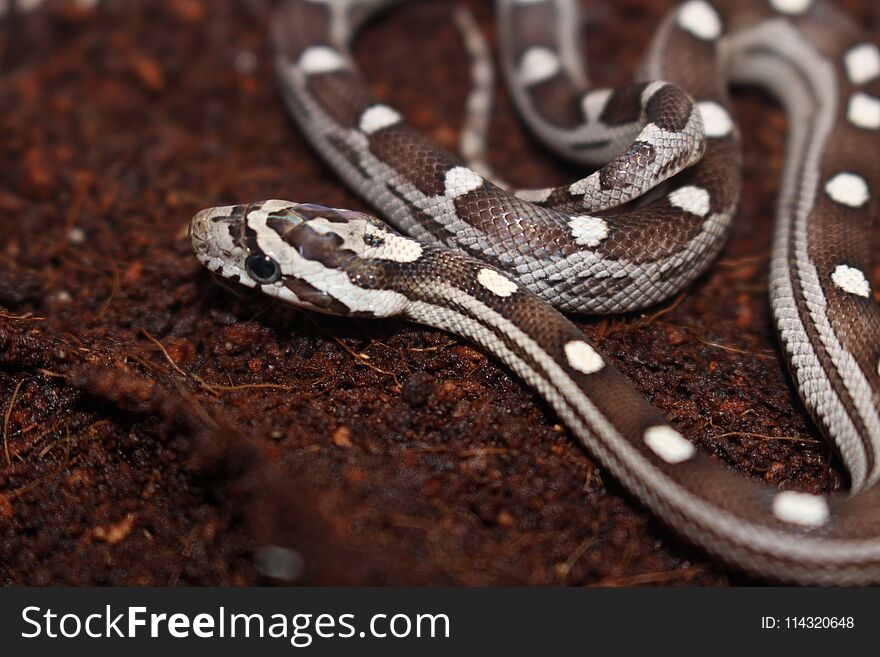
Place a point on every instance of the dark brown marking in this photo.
(557, 100)
(533, 26)
(325, 248)
(414, 157)
(626, 170)
(342, 94)
(669, 109)
(623, 106)
(310, 211)
(279, 224)
(307, 292)
(237, 226)
(248, 241)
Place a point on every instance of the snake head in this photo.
(315, 257)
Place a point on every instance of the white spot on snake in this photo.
(668, 444)
(801, 508)
(864, 111)
(700, 19)
(396, 248)
(246, 62)
(496, 283)
(538, 64)
(791, 6)
(848, 189)
(583, 357)
(76, 235)
(594, 102)
(716, 120)
(483, 75)
(534, 195)
(588, 230)
(862, 63)
(691, 199)
(471, 146)
(321, 59)
(461, 180)
(852, 280)
(378, 117)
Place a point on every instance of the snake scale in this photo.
(490, 264)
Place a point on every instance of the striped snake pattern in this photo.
(490, 264)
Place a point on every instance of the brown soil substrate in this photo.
(162, 427)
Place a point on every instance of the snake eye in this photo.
(262, 269)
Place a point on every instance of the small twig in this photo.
(165, 353)
(27, 315)
(69, 447)
(51, 374)
(363, 360)
(322, 391)
(763, 436)
(735, 350)
(207, 386)
(482, 451)
(609, 326)
(668, 309)
(6, 422)
(563, 570)
(736, 262)
(30, 441)
(263, 310)
(26, 488)
(438, 347)
(114, 270)
(210, 387)
(245, 386)
(649, 578)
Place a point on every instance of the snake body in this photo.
(488, 264)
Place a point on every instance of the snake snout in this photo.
(198, 230)
(203, 231)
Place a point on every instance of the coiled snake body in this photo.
(487, 264)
